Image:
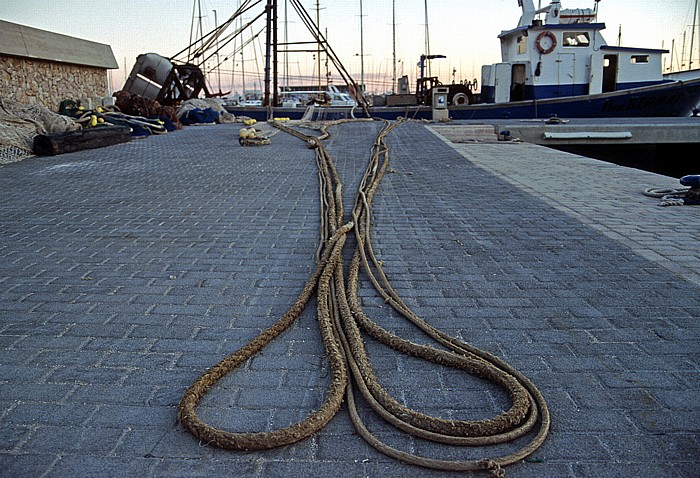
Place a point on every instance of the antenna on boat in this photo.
(619, 35)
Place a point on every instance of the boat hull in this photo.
(670, 99)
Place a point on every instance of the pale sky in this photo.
(463, 30)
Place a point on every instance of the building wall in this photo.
(48, 83)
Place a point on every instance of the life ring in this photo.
(546, 48)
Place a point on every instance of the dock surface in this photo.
(126, 272)
(595, 131)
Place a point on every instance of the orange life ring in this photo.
(549, 48)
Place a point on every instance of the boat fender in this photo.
(546, 42)
(692, 180)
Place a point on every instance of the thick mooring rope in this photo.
(342, 320)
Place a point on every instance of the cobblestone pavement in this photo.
(125, 272)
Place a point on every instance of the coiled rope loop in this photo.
(342, 321)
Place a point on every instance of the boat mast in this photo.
(275, 64)
(692, 35)
(393, 37)
(427, 37)
(362, 50)
(271, 54)
(286, 42)
(218, 62)
(192, 28)
(268, 53)
(243, 66)
(233, 59)
(673, 52)
(318, 43)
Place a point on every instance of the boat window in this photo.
(522, 45)
(577, 39)
(639, 59)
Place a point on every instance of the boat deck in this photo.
(126, 272)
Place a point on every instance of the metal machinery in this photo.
(157, 78)
(458, 93)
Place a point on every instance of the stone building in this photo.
(41, 67)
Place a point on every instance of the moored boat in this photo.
(555, 62)
(562, 66)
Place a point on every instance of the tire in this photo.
(459, 95)
(460, 99)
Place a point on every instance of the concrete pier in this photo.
(579, 131)
(126, 272)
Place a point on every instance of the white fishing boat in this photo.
(556, 62)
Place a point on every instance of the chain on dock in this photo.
(342, 321)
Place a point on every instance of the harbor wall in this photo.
(48, 83)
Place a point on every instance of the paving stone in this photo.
(126, 272)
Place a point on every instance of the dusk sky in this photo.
(463, 30)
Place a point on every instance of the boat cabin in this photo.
(564, 55)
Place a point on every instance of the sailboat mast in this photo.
(218, 63)
(271, 55)
(275, 60)
(242, 65)
(393, 37)
(362, 49)
(286, 42)
(268, 53)
(692, 35)
(318, 44)
(427, 37)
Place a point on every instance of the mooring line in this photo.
(342, 321)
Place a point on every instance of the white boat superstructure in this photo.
(564, 55)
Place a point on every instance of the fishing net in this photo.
(20, 123)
